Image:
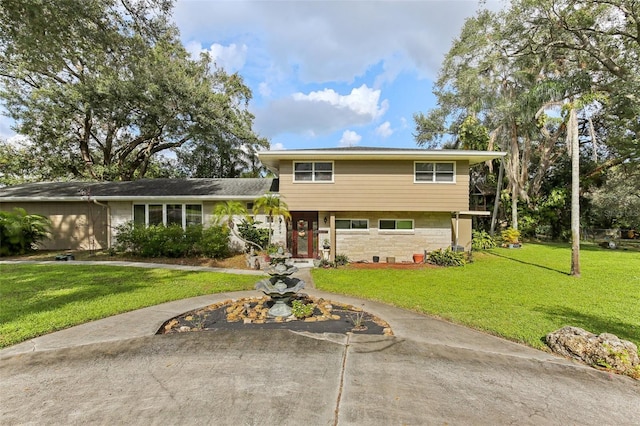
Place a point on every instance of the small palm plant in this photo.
(272, 205)
(224, 214)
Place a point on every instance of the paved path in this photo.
(117, 371)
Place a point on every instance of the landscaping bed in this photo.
(251, 313)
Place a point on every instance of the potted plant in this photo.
(511, 238)
(326, 246)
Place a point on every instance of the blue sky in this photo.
(327, 73)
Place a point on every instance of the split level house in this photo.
(365, 203)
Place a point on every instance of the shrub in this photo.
(20, 232)
(482, 241)
(447, 257)
(250, 232)
(341, 259)
(173, 241)
(301, 310)
(214, 242)
(510, 236)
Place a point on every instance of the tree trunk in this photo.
(572, 135)
(496, 203)
(514, 207)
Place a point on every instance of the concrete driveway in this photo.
(116, 371)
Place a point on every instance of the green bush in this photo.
(482, 241)
(250, 232)
(301, 310)
(214, 242)
(20, 232)
(510, 236)
(447, 257)
(341, 259)
(173, 241)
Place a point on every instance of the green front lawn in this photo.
(39, 299)
(520, 294)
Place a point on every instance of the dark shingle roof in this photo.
(145, 188)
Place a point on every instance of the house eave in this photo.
(271, 159)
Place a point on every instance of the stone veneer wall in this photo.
(431, 231)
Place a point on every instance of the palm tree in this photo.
(272, 205)
(228, 210)
(224, 214)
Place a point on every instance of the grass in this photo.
(39, 299)
(520, 294)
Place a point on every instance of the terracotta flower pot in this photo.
(418, 258)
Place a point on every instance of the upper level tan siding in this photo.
(375, 186)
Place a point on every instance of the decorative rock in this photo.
(604, 350)
(247, 320)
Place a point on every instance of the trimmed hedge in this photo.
(173, 241)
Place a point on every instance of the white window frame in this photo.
(395, 229)
(313, 172)
(351, 224)
(164, 212)
(435, 173)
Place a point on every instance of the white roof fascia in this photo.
(476, 213)
(272, 158)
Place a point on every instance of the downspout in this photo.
(106, 206)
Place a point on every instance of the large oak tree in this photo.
(105, 86)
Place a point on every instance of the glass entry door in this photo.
(304, 234)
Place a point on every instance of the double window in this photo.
(352, 224)
(435, 172)
(395, 224)
(314, 171)
(167, 214)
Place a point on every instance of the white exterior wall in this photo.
(431, 231)
(121, 213)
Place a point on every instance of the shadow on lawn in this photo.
(592, 323)
(65, 287)
(493, 253)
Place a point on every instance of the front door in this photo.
(304, 234)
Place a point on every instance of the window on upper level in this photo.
(352, 224)
(313, 171)
(434, 172)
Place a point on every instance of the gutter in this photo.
(132, 198)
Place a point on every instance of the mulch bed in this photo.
(251, 313)
(384, 265)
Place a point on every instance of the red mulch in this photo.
(400, 265)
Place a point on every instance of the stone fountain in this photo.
(281, 287)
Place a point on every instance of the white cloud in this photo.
(264, 89)
(6, 132)
(362, 100)
(232, 57)
(335, 40)
(320, 112)
(349, 138)
(276, 147)
(384, 130)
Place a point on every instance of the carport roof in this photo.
(166, 189)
